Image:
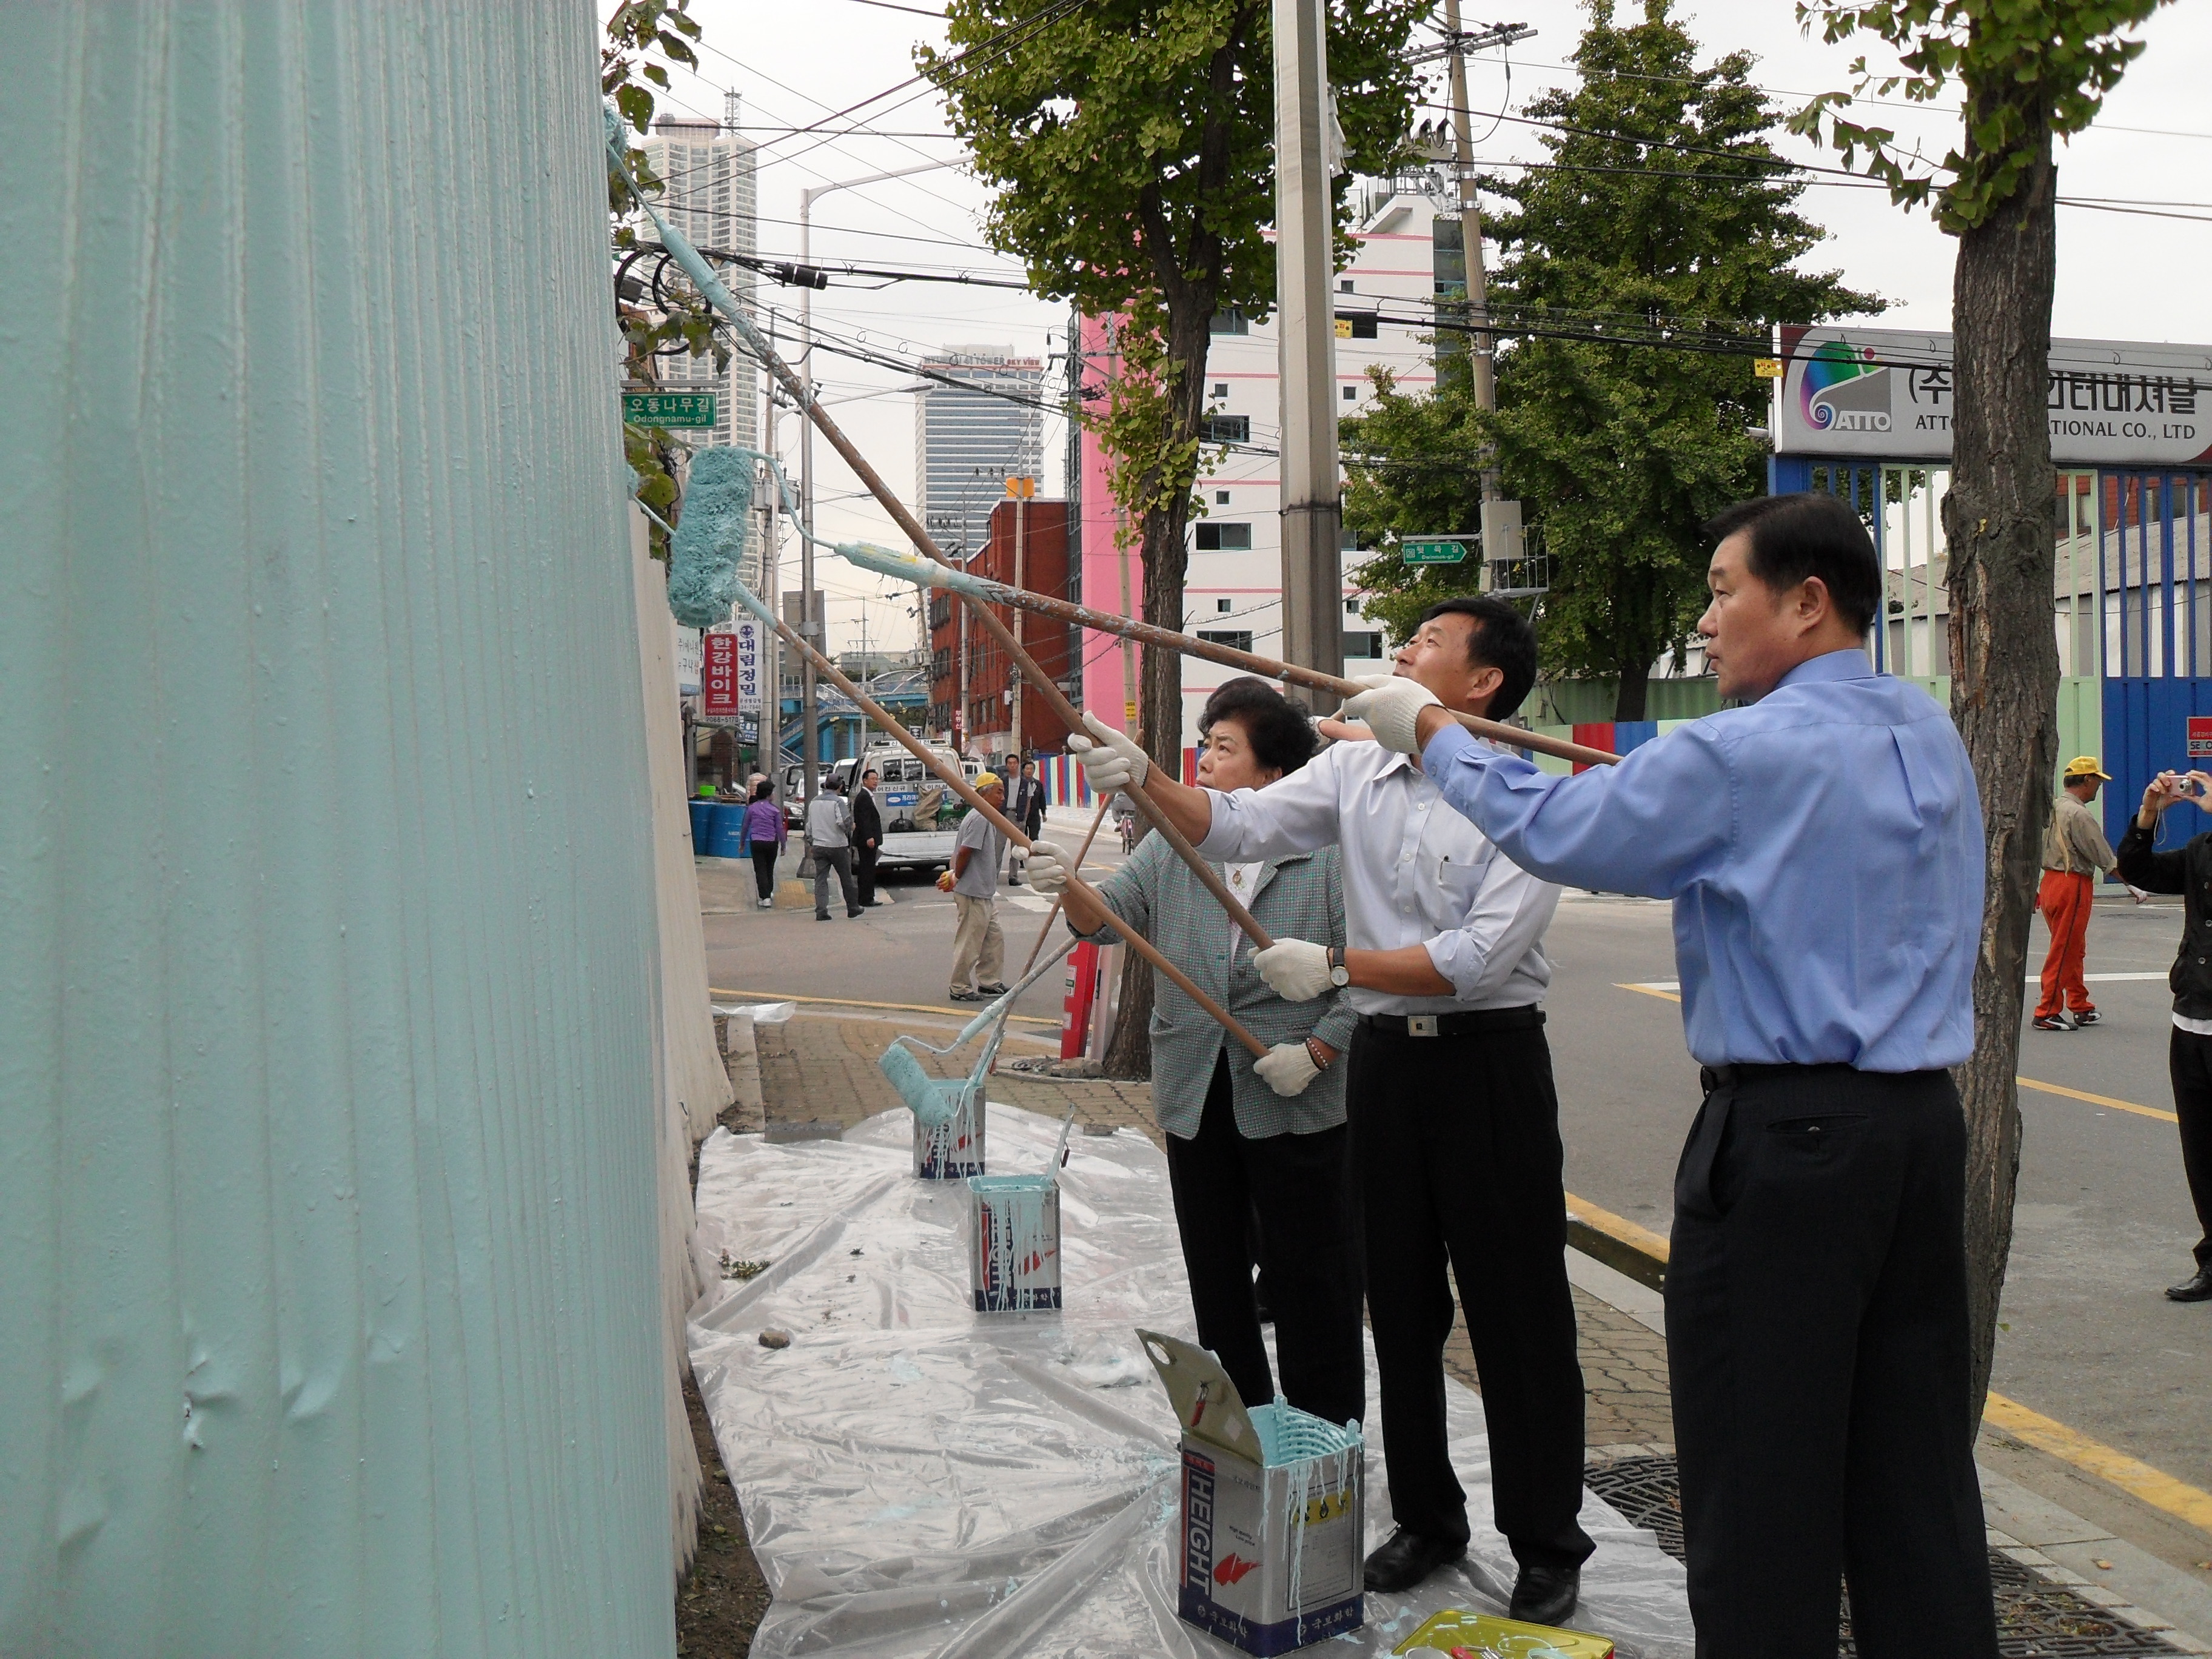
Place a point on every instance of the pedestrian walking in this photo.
(1244, 1139)
(979, 947)
(2186, 870)
(766, 832)
(1025, 806)
(2075, 853)
(1455, 1121)
(1823, 848)
(867, 835)
(829, 842)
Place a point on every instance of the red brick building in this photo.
(1040, 564)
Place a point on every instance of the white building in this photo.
(970, 438)
(1232, 591)
(711, 197)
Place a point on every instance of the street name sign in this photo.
(1433, 550)
(668, 409)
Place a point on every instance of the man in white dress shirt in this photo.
(1455, 1121)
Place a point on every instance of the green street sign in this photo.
(1433, 550)
(668, 409)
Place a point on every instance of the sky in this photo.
(2132, 275)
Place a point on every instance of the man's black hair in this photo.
(1815, 534)
(871, 773)
(1502, 639)
(1277, 726)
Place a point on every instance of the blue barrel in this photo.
(725, 833)
(701, 815)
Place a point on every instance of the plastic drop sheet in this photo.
(922, 1479)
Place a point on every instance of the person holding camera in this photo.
(2186, 870)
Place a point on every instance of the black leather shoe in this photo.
(1546, 1595)
(2198, 1288)
(1407, 1558)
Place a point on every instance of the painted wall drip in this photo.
(326, 900)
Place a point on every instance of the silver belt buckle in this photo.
(1420, 1025)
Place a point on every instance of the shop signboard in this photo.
(752, 662)
(1887, 394)
(718, 676)
(2200, 737)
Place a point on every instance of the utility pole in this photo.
(1305, 322)
(1019, 491)
(1482, 359)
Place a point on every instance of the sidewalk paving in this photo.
(2064, 1585)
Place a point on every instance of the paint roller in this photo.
(706, 551)
(938, 1100)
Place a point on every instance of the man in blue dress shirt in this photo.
(1823, 848)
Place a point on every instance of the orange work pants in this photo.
(2063, 899)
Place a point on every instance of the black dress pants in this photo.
(1298, 1184)
(1817, 1339)
(1457, 1142)
(765, 854)
(2189, 1058)
(864, 871)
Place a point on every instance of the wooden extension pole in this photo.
(1143, 633)
(1046, 687)
(949, 774)
(1060, 898)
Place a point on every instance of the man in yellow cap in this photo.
(979, 947)
(2075, 851)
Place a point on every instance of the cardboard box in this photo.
(1013, 1243)
(953, 1150)
(1273, 1511)
(1453, 1633)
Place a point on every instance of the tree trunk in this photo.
(1630, 701)
(1159, 673)
(2004, 672)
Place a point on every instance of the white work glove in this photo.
(1296, 970)
(1112, 763)
(1391, 706)
(1048, 868)
(1287, 1069)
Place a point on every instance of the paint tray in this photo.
(1481, 1636)
(1273, 1515)
(1013, 1237)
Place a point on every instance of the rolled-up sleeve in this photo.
(1511, 910)
(1650, 825)
(1296, 813)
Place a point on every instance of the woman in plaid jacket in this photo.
(1249, 1140)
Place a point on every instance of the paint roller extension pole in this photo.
(1059, 899)
(1143, 633)
(950, 776)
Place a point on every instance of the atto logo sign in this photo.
(1843, 389)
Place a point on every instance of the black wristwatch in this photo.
(1339, 975)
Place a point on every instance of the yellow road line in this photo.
(2024, 1082)
(896, 1007)
(2131, 1475)
(2096, 1100)
(1618, 1227)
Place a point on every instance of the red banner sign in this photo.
(718, 674)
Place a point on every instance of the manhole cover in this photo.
(2036, 1618)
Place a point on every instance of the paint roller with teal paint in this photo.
(708, 547)
(934, 1101)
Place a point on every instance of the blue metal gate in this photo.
(2157, 614)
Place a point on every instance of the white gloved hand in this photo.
(1287, 1069)
(1112, 762)
(1296, 970)
(1048, 868)
(1391, 706)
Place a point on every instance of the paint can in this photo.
(1013, 1243)
(1272, 1514)
(953, 1149)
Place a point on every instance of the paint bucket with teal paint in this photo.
(948, 1142)
(1013, 1255)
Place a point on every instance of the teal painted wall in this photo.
(328, 1275)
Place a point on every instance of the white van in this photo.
(920, 816)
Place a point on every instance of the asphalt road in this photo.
(2103, 1222)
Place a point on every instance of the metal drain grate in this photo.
(2036, 1618)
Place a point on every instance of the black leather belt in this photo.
(1710, 1078)
(1472, 1021)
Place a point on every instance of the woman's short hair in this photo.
(1279, 728)
(762, 790)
